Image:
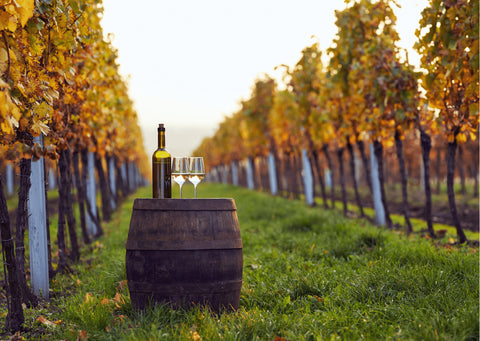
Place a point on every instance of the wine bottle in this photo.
(161, 168)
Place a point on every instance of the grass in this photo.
(440, 206)
(309, 274)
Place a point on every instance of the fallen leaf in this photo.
(118, 299)
(88, 297)
(16, 337)
(43, 320)
(195, 336)
(82, 336)
(122, 285)
(120, 319)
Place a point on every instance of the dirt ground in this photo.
(467, 208)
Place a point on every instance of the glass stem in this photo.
(195, 192)
(180, 191)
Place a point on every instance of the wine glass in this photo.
(180, 171)
(196, 171)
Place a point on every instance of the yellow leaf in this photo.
(6, 128)
(13, 109)
(42, 110)
(7, 21)
(88, 297)
(13, 121)
(388, 143)
(118, 298)
(3, 60)
(38, 127)
(3, 84)
(10, 9)
(22, 89)
(195, 336)
(461, 138)
(26, 10)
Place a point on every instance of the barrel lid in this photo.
(214, 204)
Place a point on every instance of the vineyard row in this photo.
(369, 103)
(63, 102)
(297, 177)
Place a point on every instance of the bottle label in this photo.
(162, 183)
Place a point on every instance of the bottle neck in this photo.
(161, 139)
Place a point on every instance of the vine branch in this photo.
(7, 46)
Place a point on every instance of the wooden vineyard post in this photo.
(234, 173)
(307, 178)
(224, 174)
(37, 225)
(211, 175)
(250, 182)
(226, 171)
(111, 177)
(136, 176)
(52, 183)
(272, 173)
(131, 176)
(92, 215)
(377, 195)
(328, 178)
(221, 174)
(123, 171)
(128, 169)
(9, 179)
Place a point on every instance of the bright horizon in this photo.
(190, 63)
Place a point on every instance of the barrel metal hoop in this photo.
(157, 245)
(178, 289)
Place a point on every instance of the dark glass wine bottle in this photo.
(161, 168)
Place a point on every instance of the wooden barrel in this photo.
(183, 252)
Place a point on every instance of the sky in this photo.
(190, 63)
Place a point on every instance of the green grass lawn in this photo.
(309, 274)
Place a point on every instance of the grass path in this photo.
(308, 275)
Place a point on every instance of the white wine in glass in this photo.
(196, 171)
(180, 171)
